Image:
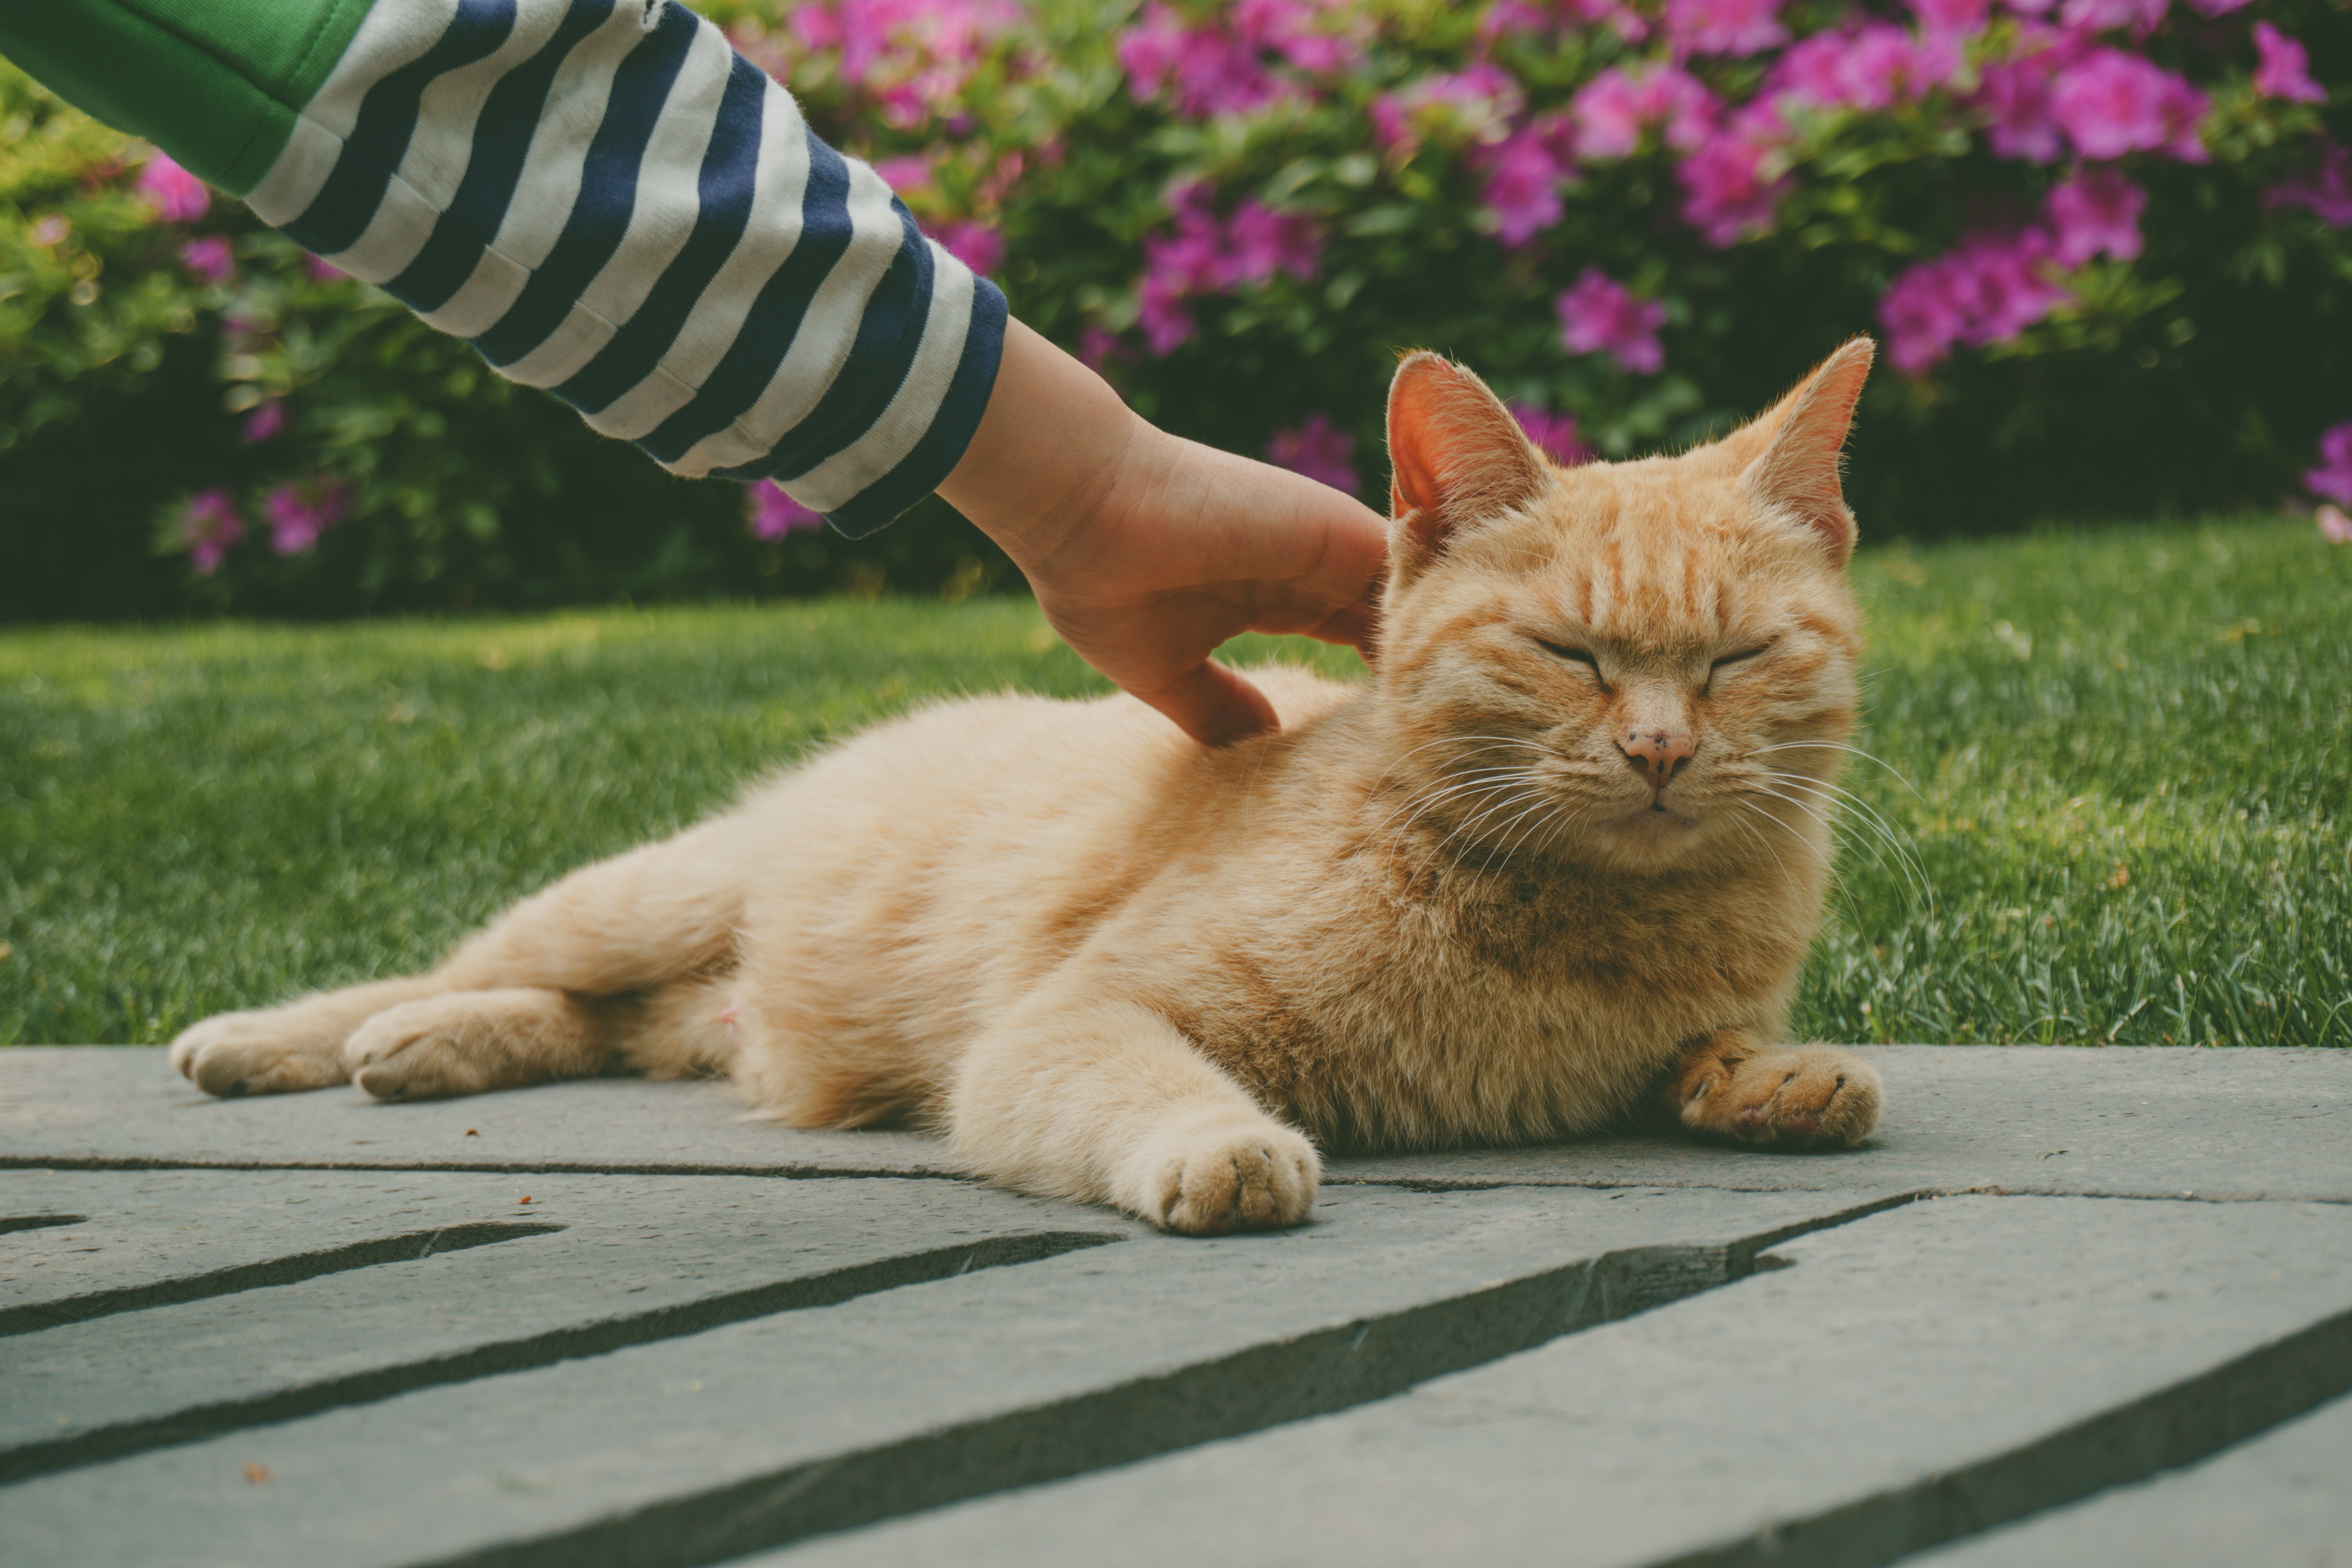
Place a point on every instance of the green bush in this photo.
(2104, 242)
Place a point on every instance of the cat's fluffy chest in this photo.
(1498, 1005)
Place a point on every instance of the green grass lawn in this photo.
(2113, 795)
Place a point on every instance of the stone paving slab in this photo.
(605, 1262)
(315, 1330)
(696, 1448)
(2284, 1499)
(124, 1105)
(2133, 1121)
(1909, 1377)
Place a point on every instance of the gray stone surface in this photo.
(2122, 1121)
(622, 1260)
(698, 1447)
(314, 1330)
(2125, 1121)
(125, 1106)
(2282, 1499)
(1908, 1378)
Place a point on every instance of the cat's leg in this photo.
(1108, 1102)
(642, 921)
(1731, 1085)
(467, 1042)
(274, 1051)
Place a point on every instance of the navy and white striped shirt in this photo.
(609, 203)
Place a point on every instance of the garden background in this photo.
(2107, 245)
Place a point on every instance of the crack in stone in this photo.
(569, 1343)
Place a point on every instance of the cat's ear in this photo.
(1456, 455)
(1789, 457)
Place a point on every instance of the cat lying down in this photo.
(1557, 866)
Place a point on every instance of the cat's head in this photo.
(1647, 665)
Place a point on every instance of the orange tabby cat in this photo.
(1564, 857)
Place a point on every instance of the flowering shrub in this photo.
(2106, 245)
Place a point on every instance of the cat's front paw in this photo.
(428, 1049)
(263, 1052)
(1212, 1176)
(1808, 1096)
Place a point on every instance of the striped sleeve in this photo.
(611, 203)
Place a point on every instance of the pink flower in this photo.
(1725, 192)
(1222, 67)
(1475, 105)
(210, 259)
(1725, 27)
(2099, 16)
(2112, 103)
(1958, 18)
(772, 515)
(1318, 449)
(1551, 17)
(2286, 68)
(208, 526)
(1987, 290)
(2327, 192)
(2333, 526)
(1874, 65)
(1524, 177)
(975, 244)
(176, 195)
(1161, 311)
(1099, 346)
(1614, 109)
(324, 270)
(1260, 242)
(1601, 315)
(913, 56)
(2095, 212)
(2219, 7)
(265, 422)
(911, 172)
(2014, 94)
(1206, 255)
(299, 513)
(2333, 478)
(1554, 433)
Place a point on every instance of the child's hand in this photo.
(1146, 552)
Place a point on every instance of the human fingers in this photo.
(1213, 705)
(1356, 626)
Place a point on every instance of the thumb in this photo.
(1213, 705)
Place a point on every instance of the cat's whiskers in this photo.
(1830, 825)
(1877, 829)
(1529, 794)
(1450, 789)
(1486, 780)
(1532, 816)
(1900, 777)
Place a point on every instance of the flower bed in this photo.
(2104, 243)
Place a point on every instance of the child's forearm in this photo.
(603, 198)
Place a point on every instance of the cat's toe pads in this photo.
(1815, 1096)
(414, 1052)
(1244, 1174)
(237, 1054)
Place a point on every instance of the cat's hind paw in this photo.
(1229, 1174)
(263, 1052)
(1807, 1097)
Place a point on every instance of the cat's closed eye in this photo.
(1573, 655)
(1739, 658)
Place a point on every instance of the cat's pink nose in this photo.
(1655, 753)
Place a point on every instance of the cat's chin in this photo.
(1649, 837)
